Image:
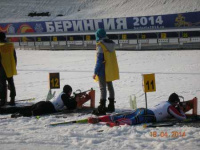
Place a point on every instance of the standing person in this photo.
(106, 71)
(63, 101)
(158, 113)
(8, 62)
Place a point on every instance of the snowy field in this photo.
(91, 9)
(175, 71)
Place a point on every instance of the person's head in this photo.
(67, 89)
(100, 34)
(174, 99)
(2, 36)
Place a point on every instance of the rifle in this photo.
(79, 93)
(190, 104)
(83, 97)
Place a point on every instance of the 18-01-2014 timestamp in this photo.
(173, 134)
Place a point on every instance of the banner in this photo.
(182, 20)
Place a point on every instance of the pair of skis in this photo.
(193, 122)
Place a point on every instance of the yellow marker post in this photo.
(88, 37)
(55, 39)
(124, 37)
(149, 84)
(185, 35)
(143, 36)
(39, 39)
(163, 35)
(71, 38)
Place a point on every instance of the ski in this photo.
(5, 118)
(77, 113)
(27, 99)
(155, 125)
(190, 122)
(69, 122)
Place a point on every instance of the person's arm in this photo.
(177, 113)
(69, 102)
(15, 56)
(100, 60)
(1, 66)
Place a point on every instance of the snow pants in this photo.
(3, 86)
(40, 108)
(138, 116)
(102, 85)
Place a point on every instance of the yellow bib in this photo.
(7, 59)
(111, 65)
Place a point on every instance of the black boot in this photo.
(101, 109)
(2, 102)
(12, 101)
(111, 105)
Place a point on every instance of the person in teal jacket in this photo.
(105, 72)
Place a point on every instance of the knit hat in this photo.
(2, 36)
(67, 89)
(174, 98)
(99, 34)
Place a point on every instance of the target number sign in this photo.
(54, 80)
(149, 82)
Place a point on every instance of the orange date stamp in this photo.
(164, 134)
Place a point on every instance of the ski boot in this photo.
(111, 105)
(101, 109)
(93, 120)
(112, 124)
(2, 102)
(12, 101)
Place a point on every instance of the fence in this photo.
(125, 40)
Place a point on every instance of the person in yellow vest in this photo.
(8, 62)
(106, 70)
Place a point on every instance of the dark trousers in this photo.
(3, 86)
(40, 108)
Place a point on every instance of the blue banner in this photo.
(182, 20)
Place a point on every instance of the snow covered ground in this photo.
(176, 71)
